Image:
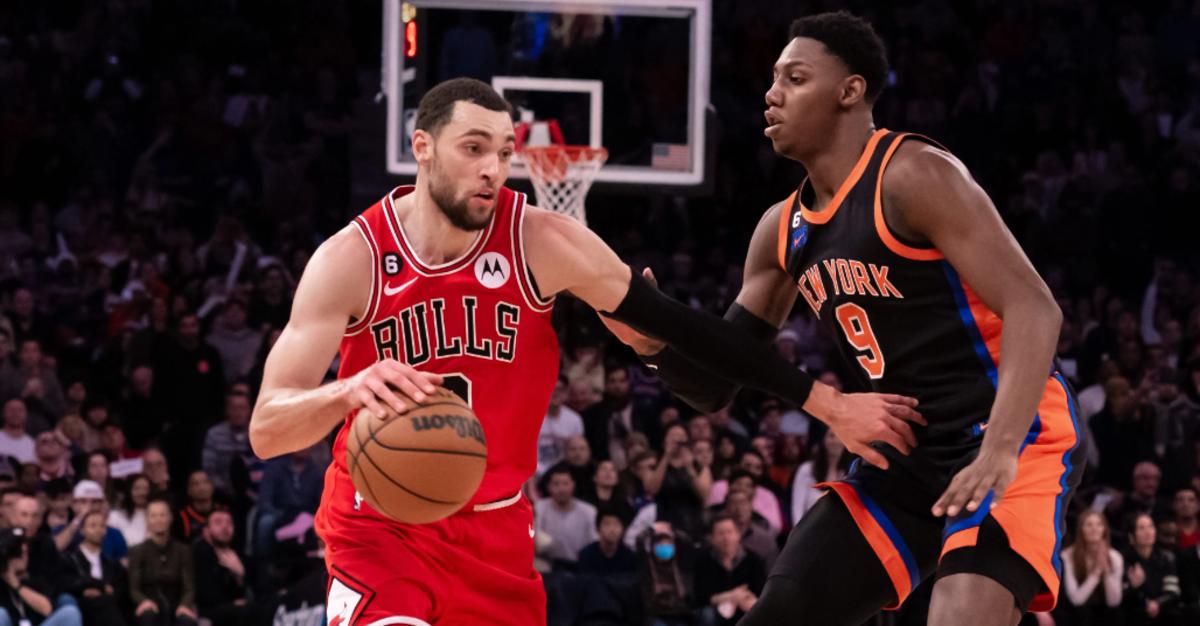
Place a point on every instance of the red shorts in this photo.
(474, 567)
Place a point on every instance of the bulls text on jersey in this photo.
(420, 332)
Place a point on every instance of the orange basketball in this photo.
(420, 466)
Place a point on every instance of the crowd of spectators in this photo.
(166, 168)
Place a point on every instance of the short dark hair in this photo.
(717, 519)
(607, 512)
(438, 103)
(559, 468)
(851, 39)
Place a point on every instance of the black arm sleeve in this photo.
(724, 349)
(701, 389)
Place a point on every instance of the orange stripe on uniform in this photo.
(888, 555)
(965, 538)
(881, 227)
(1031, 506)
(784, 213)
(990, 325)
(820, 217)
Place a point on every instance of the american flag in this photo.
(671, 156)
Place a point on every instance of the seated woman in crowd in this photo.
(1092, 572)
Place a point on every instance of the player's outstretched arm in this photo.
(762, 305)
(294, 411)
(566, 256)
(929, 194)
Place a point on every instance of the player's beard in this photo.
(441, 189)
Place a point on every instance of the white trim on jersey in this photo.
(368, 315)
(516, 236)
(498, 504)
(410, 253)
(407, 621)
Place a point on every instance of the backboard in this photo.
(631, 76)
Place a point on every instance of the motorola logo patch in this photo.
(492, 270)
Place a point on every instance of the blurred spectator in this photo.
(45, 564)
(578, 459)
(564, 517)
(1092, 572)
(746, 477)
(194, 515)
(236, 342)
(728, 577)
(141, 411)
(756, 534)
(1144, 498)
(53, 460)
(679, 485)
(608, 555)
(663, 577)
(1176, 424)
(609, 422)
(1187, 508)
(14, 438)
(221, 576)
(39, 386)
(608, 494)
(129, 515)
(561, 424)
(154, 466)
(161, 574)
(96, 469)
(113, 442)
(1122, 432)
(830, 462)
(190, 374)
(1151, 581)
(89, 498)
(291, 488)
(97, 581)
(24, 598)
(228, 440)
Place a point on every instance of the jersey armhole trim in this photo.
(524, 274)
(882, 229)
(368, 315)
(785, 214)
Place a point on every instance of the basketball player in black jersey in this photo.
(905, 261)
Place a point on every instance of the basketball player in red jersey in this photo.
(904, 260)
(451, 281)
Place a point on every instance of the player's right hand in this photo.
(859, 419)
(390, 386)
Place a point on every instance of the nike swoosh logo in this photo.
(531, 533)
(388, 290)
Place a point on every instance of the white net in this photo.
(562, 176)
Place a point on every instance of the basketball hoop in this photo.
(561, 174)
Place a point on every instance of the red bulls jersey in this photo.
(477, 320)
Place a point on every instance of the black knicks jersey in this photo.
(903, 319)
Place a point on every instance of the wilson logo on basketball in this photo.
(463, 426)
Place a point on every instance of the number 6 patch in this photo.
(392, 264)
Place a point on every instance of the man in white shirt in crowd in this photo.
(564, 517)
(14, 439)
(561, 424)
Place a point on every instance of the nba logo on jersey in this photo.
(492, 270)
(800, 236)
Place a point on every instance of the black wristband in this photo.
(723, 348)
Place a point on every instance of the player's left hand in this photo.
(990, 471)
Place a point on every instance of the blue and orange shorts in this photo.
(1017, 542)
